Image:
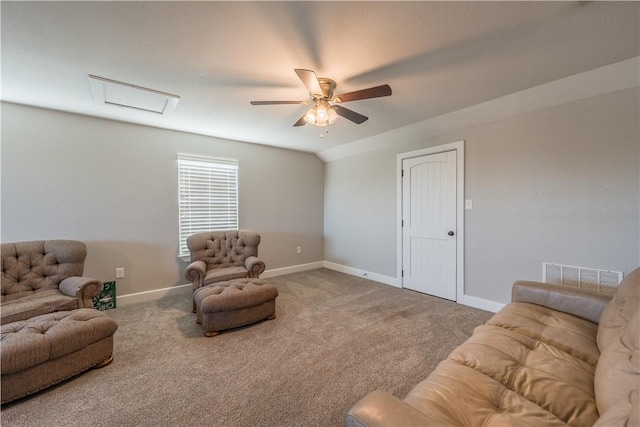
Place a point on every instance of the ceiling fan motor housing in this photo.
(327, 86)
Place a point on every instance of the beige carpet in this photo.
(336, 338)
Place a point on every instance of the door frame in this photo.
(457, 146)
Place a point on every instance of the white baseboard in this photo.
(293, 269)
(392, 281)
(480, 303)
(467, 300)
(185, 289)
(153, 295)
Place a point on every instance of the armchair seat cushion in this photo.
(35, 305)
(224, 274)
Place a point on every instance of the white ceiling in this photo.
(438, 57)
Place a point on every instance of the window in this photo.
(208, 192)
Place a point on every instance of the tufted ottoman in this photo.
(234, 303)
(47, 349)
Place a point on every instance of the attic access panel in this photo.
(112, 92)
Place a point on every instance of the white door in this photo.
(429, 224)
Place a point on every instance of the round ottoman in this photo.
(234, 303)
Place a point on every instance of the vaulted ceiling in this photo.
(438, 57)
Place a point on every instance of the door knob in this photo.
(451, 233)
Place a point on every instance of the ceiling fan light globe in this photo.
(310, 117)
(333, 116)
(321, 113)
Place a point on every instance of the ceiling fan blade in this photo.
(310, 81)
(350, 114)
(276, 102)
(372, 92)
(301, 122)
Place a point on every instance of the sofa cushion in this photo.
(528, 366)
(457, 395)
(559, 330)
(36, 304)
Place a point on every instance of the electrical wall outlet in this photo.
(119, 273)
(299, 249)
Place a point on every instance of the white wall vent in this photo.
(591, 279)
(112, 92)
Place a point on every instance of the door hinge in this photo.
(402, 273)
(402, 223)
(402, 172)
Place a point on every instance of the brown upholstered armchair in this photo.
(44, 276)
(223, 255)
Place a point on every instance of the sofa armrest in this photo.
(380, 408)
(195, 273)
(82, 288)
(255, 266)
(578, 302)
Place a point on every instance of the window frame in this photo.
(199, 168)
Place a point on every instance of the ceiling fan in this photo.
(321, 92)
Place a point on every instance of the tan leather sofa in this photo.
(223, 255)
(44, 276)
(553, 356)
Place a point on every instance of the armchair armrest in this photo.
(195, 273)
(255, 266)
(83, 288)
(380, 408)
(578, 302)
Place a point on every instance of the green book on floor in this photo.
(107, 299)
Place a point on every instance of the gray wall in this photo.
(556, 185)
(114, 186)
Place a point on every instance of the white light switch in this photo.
(119, 273)
(468, 204)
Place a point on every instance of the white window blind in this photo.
(208, 191)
